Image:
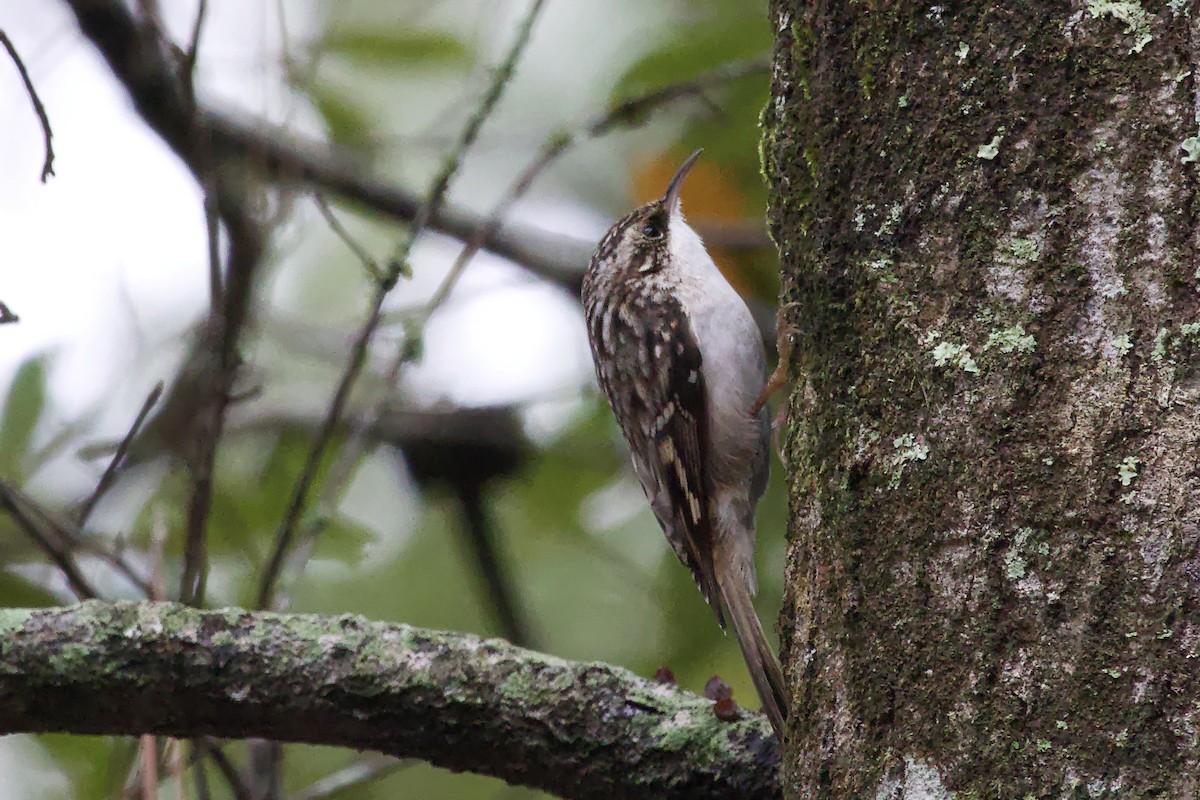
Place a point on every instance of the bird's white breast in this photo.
(731, 346)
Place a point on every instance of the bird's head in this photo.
(644, 240)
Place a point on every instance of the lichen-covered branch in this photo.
(579, 730)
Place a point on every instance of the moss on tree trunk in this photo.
(986, 215)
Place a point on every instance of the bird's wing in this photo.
(648, 362)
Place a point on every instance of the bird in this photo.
(680, 360)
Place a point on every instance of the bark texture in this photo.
(455, 700)
(987, 219)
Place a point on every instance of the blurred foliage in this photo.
(592, 569)
(402, 49)
(22, 410)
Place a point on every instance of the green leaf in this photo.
(399, 48)
(694, 50)
(345, 540)
(22, 410)
(349, 124)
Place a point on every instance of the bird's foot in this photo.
(786, 335)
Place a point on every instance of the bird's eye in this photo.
(652, 230)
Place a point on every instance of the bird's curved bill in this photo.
(671, 198)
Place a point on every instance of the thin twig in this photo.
(210, 749)
(110, 472)
(226, 321)
(299, 498)
(224, 318)
(6, 315)
(46, 535)
(369, 263)
(264, 769)
(60, 541)
(176, 754)
(212, 225)
(188, 67)
(213, 382)
(38, 108)
(203, 136)
(200, 780)
(193, 577)
(500, 80)
(357, 774)
(481, 539)
(148, 755)
(397, 265)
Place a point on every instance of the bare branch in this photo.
(579, 730)
(203, 138)
(139, 59)
(482, 539)
(487, 104)
(47, 535)
(110, 472)
(38, 108)
(210, 749)
(148, 762)
(282, 157)
(60, 542)
(360, 253)
(188, 67)
(329, 425)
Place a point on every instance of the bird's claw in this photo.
(785, 343)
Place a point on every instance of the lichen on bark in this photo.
(988, 237)
(580, 730)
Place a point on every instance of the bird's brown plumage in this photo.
(654, 380)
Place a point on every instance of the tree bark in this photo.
(987, 220)
(455, 700)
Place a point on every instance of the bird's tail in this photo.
(760, 657)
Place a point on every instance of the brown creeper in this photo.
(681, 362)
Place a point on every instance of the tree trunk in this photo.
(986, 215)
